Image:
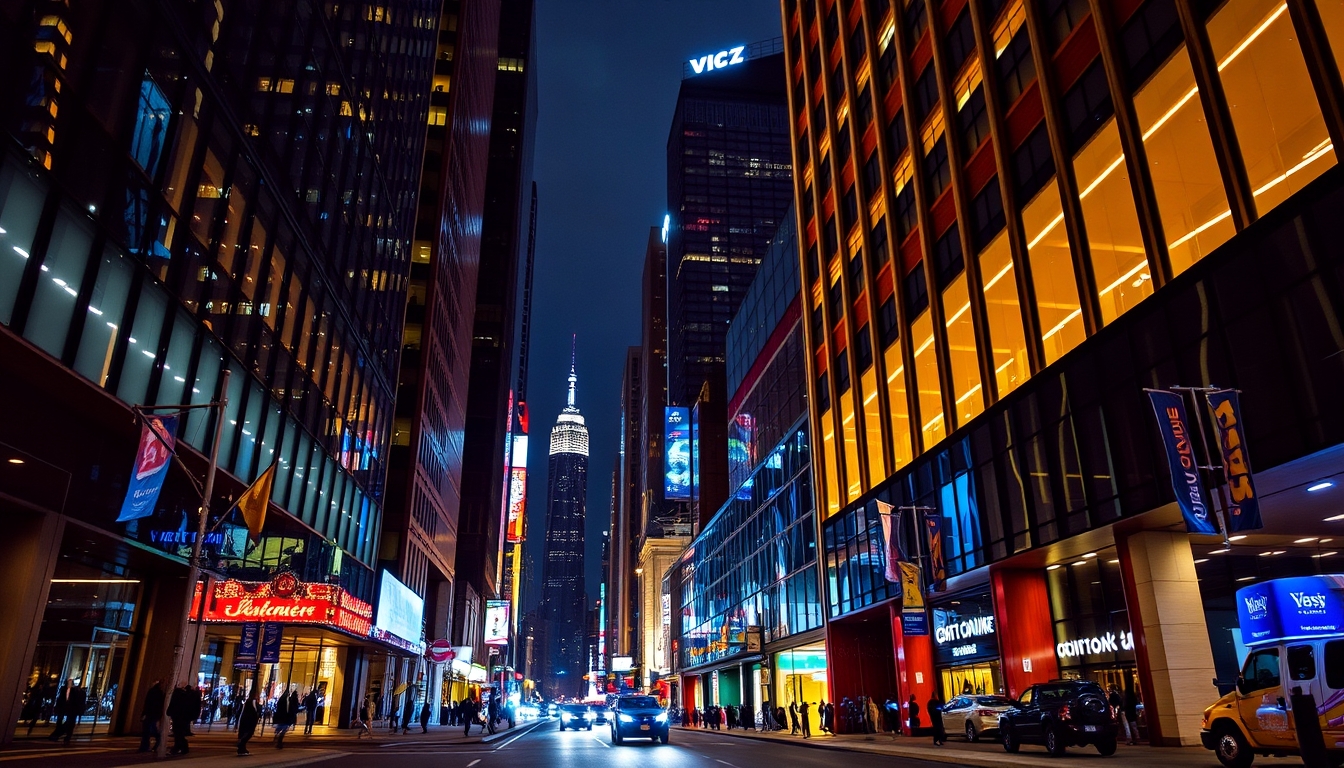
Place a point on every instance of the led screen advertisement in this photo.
(400, 612)
(518, 490)
(677, 453)
(497, 622)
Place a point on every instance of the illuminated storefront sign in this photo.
(713, 61)
(497, 622)
(965, 630)
(285, 600)
(1110, 642)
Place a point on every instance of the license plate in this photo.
(1090, 728)
(643, 727)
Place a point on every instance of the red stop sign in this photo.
(440, 651)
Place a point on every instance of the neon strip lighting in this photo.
(932, 422)
(999, 276)
(1048, 228)
(1011, 360)
(969, 392)
(1251, 37)
(1062, 323)
(1123, 278)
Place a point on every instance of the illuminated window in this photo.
(831, 481)
(510, 65)
(933, 426)
(1057, 307)
(1332, 18)
(961, 351)
(898, 406)
(1118, 259)
(437, 115)
(872, 423)
(1189, 189)
(1003, 314)
(851, 447)
(1274, 110)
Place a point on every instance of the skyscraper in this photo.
(563, 600)
(729, 182)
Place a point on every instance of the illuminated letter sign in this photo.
(713, 61)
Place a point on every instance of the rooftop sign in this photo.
(713, 61)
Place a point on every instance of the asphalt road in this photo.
(545, 745)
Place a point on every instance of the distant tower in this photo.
(563, 603)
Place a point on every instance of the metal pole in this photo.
(1208, 466)
(194, 565)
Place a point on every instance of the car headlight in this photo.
(662, 717)
(565, 716)
(625, 718)
(589, 716)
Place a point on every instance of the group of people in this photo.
(715, 717)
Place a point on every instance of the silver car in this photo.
(974, 715)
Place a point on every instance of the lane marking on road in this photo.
(603, 743)
(730, 765)
(473, 762)
(510, 740)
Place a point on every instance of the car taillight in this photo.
(1063, 713)
(984, 713)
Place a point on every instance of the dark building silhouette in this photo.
(564, 604)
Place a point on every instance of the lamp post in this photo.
(194, 564)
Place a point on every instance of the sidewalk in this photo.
(991, 754)
(218, 748)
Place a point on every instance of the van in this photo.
(1293, 629)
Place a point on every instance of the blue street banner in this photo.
(891, 525)
(933, 525)
(246, 657)
(158, 438)
(1174, 425)
(1243, 514)
(271, 637)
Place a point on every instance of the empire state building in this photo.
(563, 601)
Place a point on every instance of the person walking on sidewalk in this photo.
(468, 715)
(874, 717)
(805, 717)
(285, 716)
(913, 708)
(935, 706)
(150, 715)
(794, 729)
(363, 717)
(309, 710)
(424, 717)
(183, 707)
(248, 717)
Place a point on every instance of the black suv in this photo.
(1061, 714)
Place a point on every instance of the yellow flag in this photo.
(254, 500)
(912, 597)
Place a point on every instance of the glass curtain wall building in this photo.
(1016, 216)
(184, 191)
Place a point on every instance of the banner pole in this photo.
(194, 565)
(1223, 522)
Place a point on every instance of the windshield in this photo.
(993, 701)
(639, 702)
(574, 708)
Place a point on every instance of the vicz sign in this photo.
(713, 61)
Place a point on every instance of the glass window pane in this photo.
(1189, 189)
(961, 350)
(174, 185)
(933, 426)
(249, 432)
(899, 406)
(855, 484)
(300, 472)
(1332, 18)
(58, 286)
(270, 437)
(177, 363)
(872, 423)
(1279, 127)
(143, 345)
(1119, 261)
(1061, 317)
(232, 414)
(830, 481)
(285, 459)
(208, 367)
(21, 198)
(1003, 313)
(107, 303)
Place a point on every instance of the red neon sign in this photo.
(285, 600)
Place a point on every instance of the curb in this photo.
(312, 756)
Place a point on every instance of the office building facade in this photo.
(563, 600)
(1014, 217)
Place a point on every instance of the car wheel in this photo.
(1053, 743)
(1106, 747)
(562, 727)
(615, 736)
(663, 739)
(1232, 749)
(1010, 741)
(971, 734)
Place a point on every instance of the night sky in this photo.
(608, 73)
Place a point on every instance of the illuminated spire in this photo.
(573, 378)
(570, 435)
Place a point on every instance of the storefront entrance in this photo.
(965, 645)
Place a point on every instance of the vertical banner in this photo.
(1244, 512)
(246, 657)
(677, 453)
(933, 524)
(914, 619)
(158, 437)
(272, 635)
(1174, 425)
(891, 525)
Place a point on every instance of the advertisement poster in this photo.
(1191, 497)
(497, 622)
(158, 436)
(1243, 514)
(677, 453)
(248, 646)
(272, 635)
(518, 491)
(400, 611)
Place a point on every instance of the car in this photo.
(552, 709)
(576, 716)
(1058, 715)
(600, 715)
(638, 717)
(974, 715)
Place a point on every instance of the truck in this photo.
(1293, 630)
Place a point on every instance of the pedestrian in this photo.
(309, 710)
(891, 720)
(695, 717)
(151, 715)
(248, 717)
(795, 729)
(935, 707)
(732, 717)
(874, 717)
(492, 713)
(364, 718)
(284, 718)
(183, 707)
(913, 714)
(825, 711)
(468, 715)
(805, 717)
(424, 717)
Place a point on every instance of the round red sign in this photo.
(440, 652)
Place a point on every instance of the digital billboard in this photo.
(677, 453)
(518, 491)
(496, 622)
(400, 611)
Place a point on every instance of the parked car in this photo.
(639, 717)
(1058, 715)
(974, 716)
(576, 716)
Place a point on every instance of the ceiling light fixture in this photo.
(1246, 578)
(1325, 554)
(1238, 537)
(1222, 551)
(1202, 560)
(1090, 554)
(16, 461)
(1307, 540)
(1054, 567)
(1321, 486)
(1334, 519)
